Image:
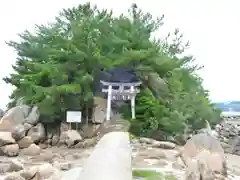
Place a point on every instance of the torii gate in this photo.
(122, 92)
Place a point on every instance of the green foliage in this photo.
(58, 65)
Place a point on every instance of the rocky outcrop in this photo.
(37, 133)
(19, 120)
(228, 132)
(204, 157)
(18, 132)
(14, 117)
(44, 171)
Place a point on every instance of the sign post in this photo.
(74, 117)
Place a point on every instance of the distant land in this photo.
(228, 106)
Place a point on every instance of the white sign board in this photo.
(74, 116)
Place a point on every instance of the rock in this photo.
(29, 173)
(43, 146)
(47, 157)
(86, 143)
(202, 150)
(64, 127)
(18, 132)
(15, 165)
(71, 137)
(64, 166)
(164, 145)
(157, 144)
(14, 176)
(228, 132)
(89, 130)
(33, 116)
(27, 126)
(146, 140)
(152, 154)
(177, 165)
(46, 170)
(6, 138)
(55, 140)
(49, 142)
(13, 117)
(211, 163)
(36, 176)
(37, 133)
(10, 150)
(99, 110)
(32, 150)
(25, 142)
(72, 157)
(4, 167)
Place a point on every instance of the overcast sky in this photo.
(210, 25)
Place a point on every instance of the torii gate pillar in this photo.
(121, 92)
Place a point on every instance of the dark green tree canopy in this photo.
(59, 63)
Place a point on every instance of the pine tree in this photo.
(58, 65)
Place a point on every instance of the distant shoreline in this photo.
(230, 113)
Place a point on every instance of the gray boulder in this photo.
(18, 132)
(37, 133)
(205, 153)
(33, 116)
(14, 117)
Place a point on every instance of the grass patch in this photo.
(151, 175)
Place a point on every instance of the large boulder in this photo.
(99, 112)
(10, 150)
(13, 117)
(15, 165)
(18, 132)
(203, 155)
(29, 173)
(6, 138)
(89, 130)
(33, 116)
(25, 142)
(37, 133)
(70, 138)
(32, 150)
(64, 127)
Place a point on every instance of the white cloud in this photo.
(211, 26)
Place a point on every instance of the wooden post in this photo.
(133, 103)
(109, 101)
